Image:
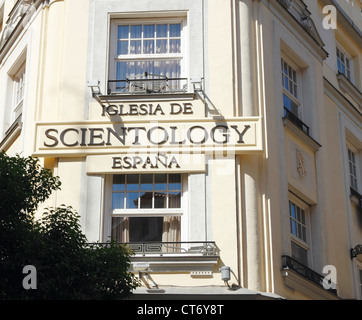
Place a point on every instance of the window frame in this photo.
(347, 57)
(351, 148)
(114, 57)
(142, 212)
(305, 244)
(110, 213)
(297, 82)
(18, 85)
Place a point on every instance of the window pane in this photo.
(135, 47)
(286, 83)
(304, 234)
(118, 200)
(149, 31)
(292, 210)
(118, 183)
(146, 182)
(174, 200)
(146, 200)
(175, 30)
(148, 46)
(145, 229)
(299, 253)
(161, 30)
(132, 200)
(160, 200)
(174, 182)
(121, 73)
(175, 46)
(120, 229)
(122, 47)
(136, 32)
(161, 46)
(123, 32)
(290, 104)
(161, 182)
(132, 182)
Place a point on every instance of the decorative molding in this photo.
(299, 11)
(19, 16)
(347, 86)
(300, 165)
(286, 3)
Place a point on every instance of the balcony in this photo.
(197, 258)
(296, 121)
(178, 248)
(288, 263)
(299, 129)
(153, 85)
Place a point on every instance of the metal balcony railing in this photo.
(295, 120)
(207, 248)
(155, 85)
(296, 266)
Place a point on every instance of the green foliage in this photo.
(23, 185)
(67, 266)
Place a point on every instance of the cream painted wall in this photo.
(64, 63)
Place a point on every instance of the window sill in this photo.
(348, 87)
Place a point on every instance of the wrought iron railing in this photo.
(160, 85)
(295, 120)
(207, 248)
(296, 266)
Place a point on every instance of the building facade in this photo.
(221, 140)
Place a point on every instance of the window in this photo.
(15, 94)
(148, 50)
(344, 64)
(18, 92)
(298, 220)
(353, 167)
(146, 207)
(290, 87)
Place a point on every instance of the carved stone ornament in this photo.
(286, 3)
(22, 9)
(300, 165)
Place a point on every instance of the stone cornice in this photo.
(296, 13)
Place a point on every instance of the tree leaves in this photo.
(67, 266)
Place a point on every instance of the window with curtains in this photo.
(299, 230)
(146, 207)
(148, 55)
